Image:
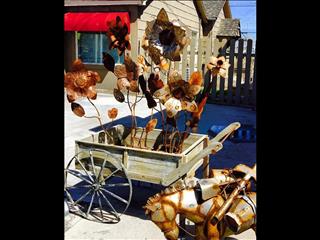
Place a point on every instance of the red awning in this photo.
(92, 22)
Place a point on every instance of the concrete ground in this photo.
(134, 224)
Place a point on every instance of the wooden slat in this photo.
(184, 63)
(253, 96)
(231, 69)
(239, 71)
(192, 53)
(199, 56)
(176, 65)
(222, 80)
(247, 72)
(206, 160)
(208, 48)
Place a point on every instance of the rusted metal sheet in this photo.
(242, 213)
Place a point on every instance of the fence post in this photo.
(221, 79)
(184, 62)
(192, 53)
(239, 71)
(230, 73)
(200, 51)
(247, 72)
(253, 96)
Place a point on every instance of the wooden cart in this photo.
(105, 171)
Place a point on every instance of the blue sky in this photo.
(246, 12)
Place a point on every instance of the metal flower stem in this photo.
(162, 116)
(99, 119)
(133, 119)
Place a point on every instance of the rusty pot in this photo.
(242, 213)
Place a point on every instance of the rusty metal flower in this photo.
(151, 125)
(77, 109)
(143, 64)
(80, 82)
(118, 34)
(178, 94)
(127, 75)
(165, 39)
(112, 113)
(218, 66)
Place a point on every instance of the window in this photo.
(92, 45)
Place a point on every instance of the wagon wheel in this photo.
(104, 190)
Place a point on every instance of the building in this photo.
(209, 21)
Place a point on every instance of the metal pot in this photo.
(242, 213)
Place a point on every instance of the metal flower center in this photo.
(166, 37)
(81, 81)
(220, 63)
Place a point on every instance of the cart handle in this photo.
(225, 133)
(179, 172)
(214, 145)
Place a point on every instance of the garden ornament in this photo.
(118, 33)
(80, 82)
(200, 200)
(218, 66)
(165, 39)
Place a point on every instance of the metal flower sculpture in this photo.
(165, 39)
(80, 82)
(127, 75)
(112, 113)
(143, 64)
(178, 94)
(118, 34)
(218, 66)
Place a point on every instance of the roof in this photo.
(212, 8)
(208, 12)
(229, 28)
(70, 3)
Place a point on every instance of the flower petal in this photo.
(123, 84)
(173, 106)
(91, 92)
(212, 62)
(112, 113)
(221, 58)
(162, 17)
(223, 73)
(189, 106)
(71, 95)
(151, 125)
(77, 66)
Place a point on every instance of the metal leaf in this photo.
(77, 109)
(108, 62)
(151, 125)
(118, 95)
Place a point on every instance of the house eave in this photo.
(75, 3)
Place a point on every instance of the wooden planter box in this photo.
(144, 164)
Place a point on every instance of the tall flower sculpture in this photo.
(80, 82)
(118, 34)
(218, 66)
(165, 39)
(178, 94)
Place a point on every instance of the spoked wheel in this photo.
(103, 190)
